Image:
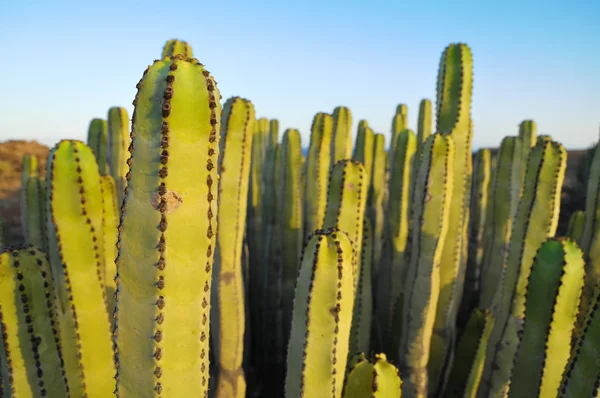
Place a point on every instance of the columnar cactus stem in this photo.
(110, 217)
(375, 378)
(467, 366)
(433, 195)
(363, 151)
(454, 89)
(317, 172)
(424, 126)
(174, 47)
(76, 252)
(167, 234)
(499, 225)
(360, 333)
(544, 346)
(33, 214)
(377, 193)
(290, 222)
(535, 221)
(576, 225)
(341, 143)
(117, 154)
(29, 168)
(318, 348)
(30, 353)
(97, 140)
(399, 124)
(228, 301)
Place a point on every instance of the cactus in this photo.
(433, 195)
(110, 218)
(467, 366)
(33, 214)
(536, 220)
(97, 140)
(318, 347)
(363, 151)
(499, 225)
(372, 378)
(424, 123)
(76, 252)
(341, 142)
(167, 234)
(290, 222)
(30, 354)
(317, 172)
(576, 225)
(29, 168)
(393, 272)
(175, 47)
(377, 193)
(454, 89)
(117, 143)
(544, 345)
(228, 309)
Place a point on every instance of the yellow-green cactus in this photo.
(30, 353)
(76, 252)
(424, 125)
(33, 213)
(29, 168)
(576, 225)
(377, 193)
(97, 140)
(175, 47)
(117, 143)
(399, 124)
(110, 217)
(341, 142)
(414, 320)
(360, 333)
(228, 300)
(376, 378)
(545, 344)
(167, 234)
(454, 90)
(318, 346)
(363, 150)
(317, 172)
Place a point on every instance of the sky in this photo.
(64, 63)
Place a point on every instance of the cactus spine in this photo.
(110, 218)
(544, 346)
(317, 172)
(164, 274)
(228, 309)
(454, 89)
(97, 140)
(433, 196)
(318, 348)
(30, 353)
(117, 143)
(341, 143)
(375, 378)
(175, 47)
(76, 252)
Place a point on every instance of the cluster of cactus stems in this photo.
(200, 253)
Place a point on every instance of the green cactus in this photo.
(29, 168)
(544, 346)
(467, 366)
(377, 193)
(536, 220)
(341, 142)
(167, 234)
(290, 222)
(375, 378)
(454, 90)
(499, 225)
(274, 131)
(97, 140)
(424, 123)
(363, 151)
(117, 143)
(175, 47)
(576, 225)
(417, 302)
(393, 272)
(318, 346)
(228, 309)
(33, 214)
(477, 229)
(110, 217)
(76, 252)
(30, 354)
(317, 172)
(399, 124)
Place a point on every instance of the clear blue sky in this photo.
(66, 62)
